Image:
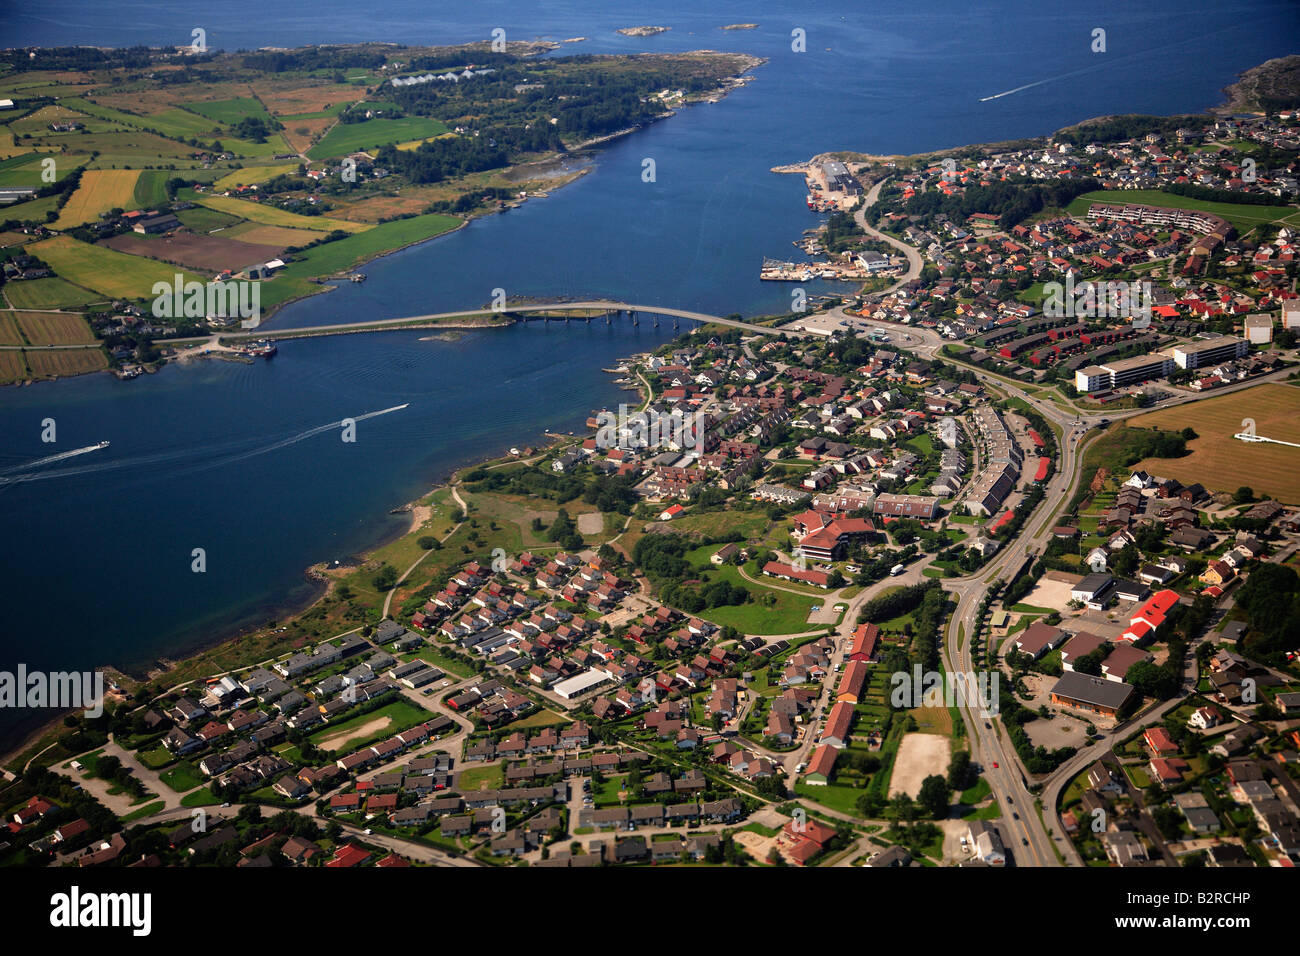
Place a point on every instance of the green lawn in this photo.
(347, 138)
(843, 799)
(200, 798)
(182, 777)
(540, 718)
(478, 778)
(149, 809)
(431, 655)
(155, 759)
(401, 714)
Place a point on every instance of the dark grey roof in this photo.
(1092, 690)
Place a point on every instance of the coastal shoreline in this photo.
(316, 575)
(324, 285)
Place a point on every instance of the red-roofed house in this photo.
(1159, 742)
(349, 855)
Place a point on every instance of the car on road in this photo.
(1015, 816)
(995, 765)
(1024, 841)
(987, 725)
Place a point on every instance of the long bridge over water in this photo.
(610, 308)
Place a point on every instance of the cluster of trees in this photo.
(108, 767)
(444, 158)
(615, 493)
(585, 95)
(76, 58)
(313, 58)
(928, 604)
(467, 202)
(1154, 443)
(564, 532)
(531, 481)
(896, 603)
(1271, 598)
(1012, 201)
(662, 558)
(1014, 716)
(1115, 129)
(841, 232)
(1192, 191)
(1022, 584)
(254, 128)
(1021, 514)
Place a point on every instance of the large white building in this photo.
(1121, 372)
(1259, 329)
(1291, 314)
(1210, 351)
(581, 683)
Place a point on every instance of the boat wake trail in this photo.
(1110, 62)
(217, 456)
(311, 432)
(53, 458)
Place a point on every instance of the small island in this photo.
(741, 26)
(643, 31)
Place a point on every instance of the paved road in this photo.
(914, 263)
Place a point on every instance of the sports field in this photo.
(105, 271)
(1223, 463)
(99, 191)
